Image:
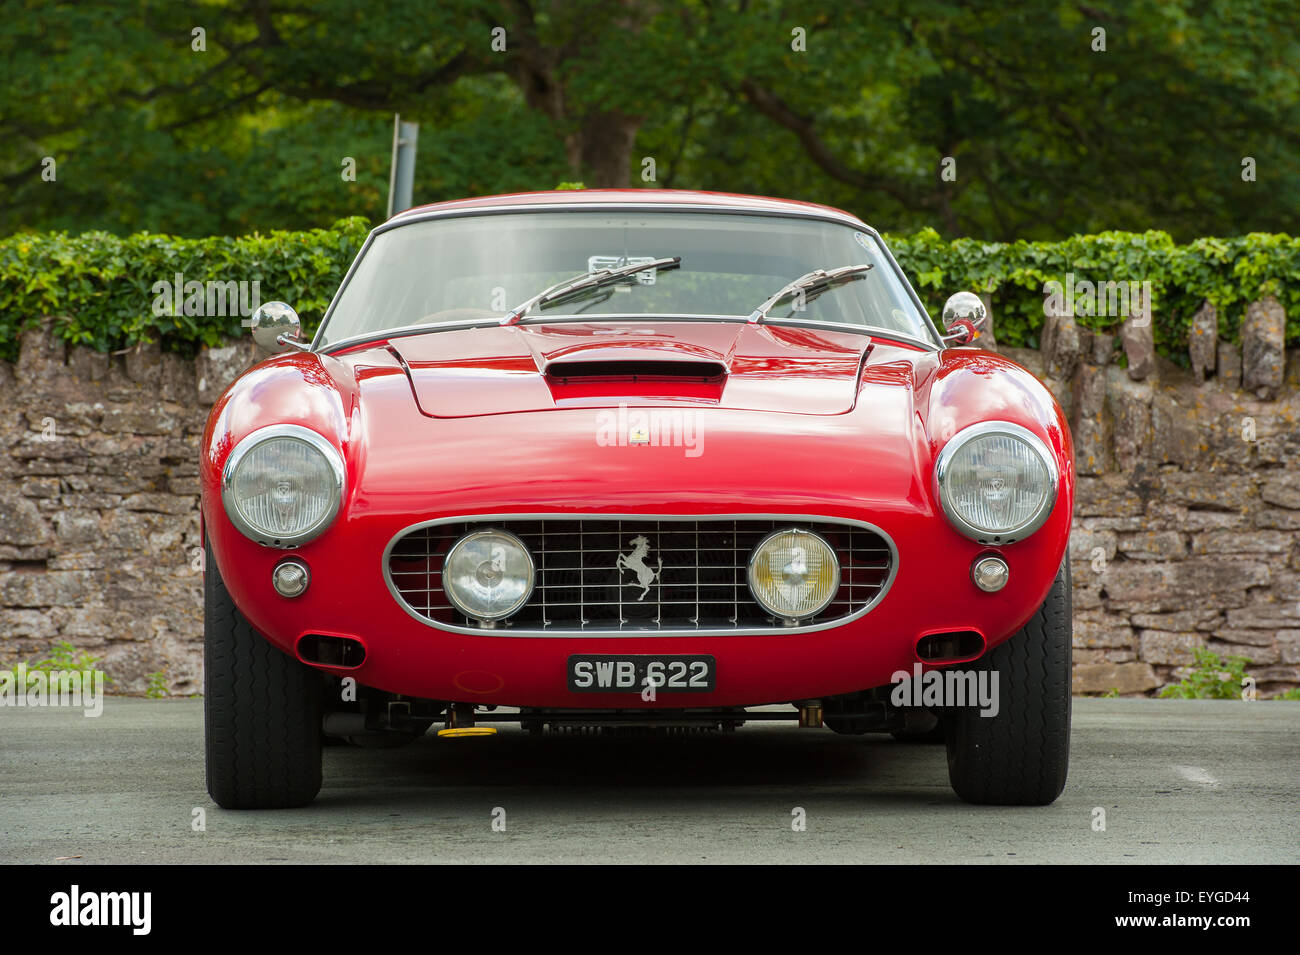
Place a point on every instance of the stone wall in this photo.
(99, 528)
(1187, 517)
(1187, 526)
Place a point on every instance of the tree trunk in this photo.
(600, 150)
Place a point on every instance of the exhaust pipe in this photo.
(344, 724)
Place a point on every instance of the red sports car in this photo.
(643, 461)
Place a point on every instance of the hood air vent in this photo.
(635, 370)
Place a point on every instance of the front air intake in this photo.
(331, 650)
(955, 646)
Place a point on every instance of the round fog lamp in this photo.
(290, 578)
(794, 574)
(990, 574)
(488, 575)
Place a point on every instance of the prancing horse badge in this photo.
(636, 562)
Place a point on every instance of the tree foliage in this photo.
(856, 103)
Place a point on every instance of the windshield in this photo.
(476, 268)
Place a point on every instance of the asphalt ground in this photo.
(1178, 781)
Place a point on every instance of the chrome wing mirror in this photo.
(964, 319)
(276, 328)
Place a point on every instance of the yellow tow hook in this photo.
(460, 723)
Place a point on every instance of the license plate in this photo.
(632, 673)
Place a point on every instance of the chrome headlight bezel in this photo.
(279, 431)
(455, 600)
(943, 465)
(752, 568)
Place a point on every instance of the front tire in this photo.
(262, 711)
(1020, 756)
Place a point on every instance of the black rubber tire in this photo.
(1020, 757)
(262, 711)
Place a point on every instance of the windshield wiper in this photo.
(812, 285)
(561, 291)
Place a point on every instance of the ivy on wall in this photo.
(1229, 273)
(101, 290)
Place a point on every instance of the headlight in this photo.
(793, 574)
(488, 575)
(282, 485)
(996, 482)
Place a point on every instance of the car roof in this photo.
(658, 197)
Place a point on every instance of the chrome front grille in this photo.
(701, 565)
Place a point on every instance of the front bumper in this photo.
(931, 592)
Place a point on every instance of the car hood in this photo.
(405, 465)
(753, 367)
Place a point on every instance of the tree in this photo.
(990, 120)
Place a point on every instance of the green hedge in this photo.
(1231, 273)
(99, 288)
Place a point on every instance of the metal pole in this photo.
(401, 178)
